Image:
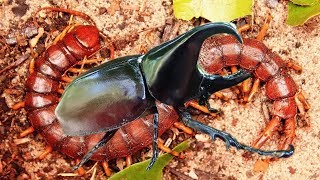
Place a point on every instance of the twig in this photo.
(19, 60)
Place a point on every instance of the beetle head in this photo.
(170, 69)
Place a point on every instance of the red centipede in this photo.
(225, 51)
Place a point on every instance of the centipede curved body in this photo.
(225, 51)
(42, 98)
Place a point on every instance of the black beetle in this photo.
(117, 92)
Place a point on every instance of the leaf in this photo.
(138, 170)
(305, 2)
(213, 10)
(298, 15)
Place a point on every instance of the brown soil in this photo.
(134, 27)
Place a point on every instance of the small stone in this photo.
(193, 175)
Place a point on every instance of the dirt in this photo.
(135, 27)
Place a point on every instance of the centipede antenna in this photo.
(69, 11)
(101, 143)
(228, 139)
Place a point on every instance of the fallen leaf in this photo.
(212, 10)
(138, 170)
(298, 15)
(305, 2)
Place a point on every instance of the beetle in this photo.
(120, 91)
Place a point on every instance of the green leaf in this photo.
(138, 170)
(305, 2)
(298, 15)
(213, 10)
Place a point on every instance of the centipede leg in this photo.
(289, 132)
(63, 33)
(220, 95)
(272, 126)
(246, 86)
(18, 105)
(128, 160)
(197, 106)
(244, 28)
(81, 171)
(90, 61)
(47, 151)
(60, 91)
(254, 89)
(182, 127)
(294, 66)
(166, 149)
(111, 48)
(106, 168)
(69, 11)
(31, 66)
(66, 79)
(27, 132)
(76, 70)
(301, 98)
(264, 29)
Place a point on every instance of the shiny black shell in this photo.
(104, 98)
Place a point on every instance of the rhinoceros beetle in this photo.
(120, 91)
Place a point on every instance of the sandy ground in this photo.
(204, 160)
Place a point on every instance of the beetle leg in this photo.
(227, 138)
(100, 144)
(155, 139)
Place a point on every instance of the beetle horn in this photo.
(171, 70)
